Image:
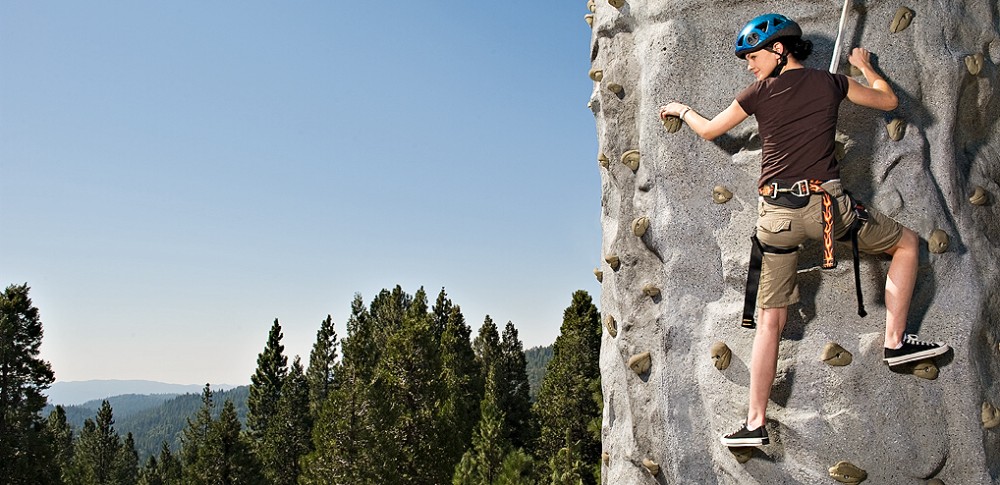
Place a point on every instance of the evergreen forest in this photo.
(408, 396)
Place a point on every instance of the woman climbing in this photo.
(801, 196)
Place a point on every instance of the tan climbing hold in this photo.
(616, 88)
(721, 355)
(613, 261)
(925, 369)
(991, 415)
(631, 158)
(672, 123)
(592, 6)
(651, 291)
(606, 458)
(896, 129)
(979, 196)
(854, 71)
(974, 63)
(721, 195)
(611, 325)
(901, 20)
(652, 466)
(603, 160)
(596, 74)
(742, 453)
(599, 275)
(938, 242)
(617, 3)
(589, 18)
(845, 472)
(835, 355)
(639, 226)
(640, 363)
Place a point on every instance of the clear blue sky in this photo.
(176, 175)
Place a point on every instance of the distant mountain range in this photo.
(69, 393)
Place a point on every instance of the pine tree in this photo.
(25, 453)
(61, 435)
(322, 361)
(460, 374)
(514, 390)
(487, 347)
(100, 457)
(262, 403)
(569, 403)
(227, 452)
(162, 469)
(344, 432)
(291, 429)
(195, 436)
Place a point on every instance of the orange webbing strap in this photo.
(829, 259)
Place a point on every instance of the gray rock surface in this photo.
(897, 427)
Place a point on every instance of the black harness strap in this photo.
(860, 218)
(757, 250)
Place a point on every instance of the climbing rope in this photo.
(836, 45)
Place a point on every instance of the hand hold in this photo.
(631, 158)
(896, 129)
(592, 6)
(602, 160)
(742, 453)
(606, 458)
(617, 3)
(721, 195)
(589, 18)
(845, 472)
(611, 325)
(991, 416)
(596, 74)
(651, 291)
(925, 369)
(640, 363)
(652, 466)
(938, 242)
(901, 20)
(640, 225)
(672, 123)
(721, 356)
(979, 196)
(974, 63)
(613, 261)
(599, 275)
(835, 355)
(616, 88)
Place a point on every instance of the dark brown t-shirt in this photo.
(797, 118)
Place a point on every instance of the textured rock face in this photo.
(894, 427)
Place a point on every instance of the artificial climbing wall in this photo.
(678, 212)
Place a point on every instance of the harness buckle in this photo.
(774, 190)
(800, 189)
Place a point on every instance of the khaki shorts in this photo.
(787, 228)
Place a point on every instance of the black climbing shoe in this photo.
(912, 350)
(744, 437)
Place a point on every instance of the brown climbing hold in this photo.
(606, 458)
(979, 196)
(834, 354)
(616, 88)
(651, 291)
(631, 158)
(742, 453)
(589, 18)
(672, 123)
(938, 242)
(925, 369)
(617, 3)
(721, 356)
(614, 262)
(611, 325)
(901, 20)
(845, 472)
(974, 63)
(652, 466)
(854, 71)
(991, 415)
(896, 129)
(639, 226)
(721, 195)
(602, 160)
(596, 74)
(640, 363)
(592, 6)
(599, 274)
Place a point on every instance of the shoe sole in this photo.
(925, 354)
(734, 442)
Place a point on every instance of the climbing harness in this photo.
(794, 196)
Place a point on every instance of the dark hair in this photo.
(798, 47)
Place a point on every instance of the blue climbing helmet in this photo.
(762, 31)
